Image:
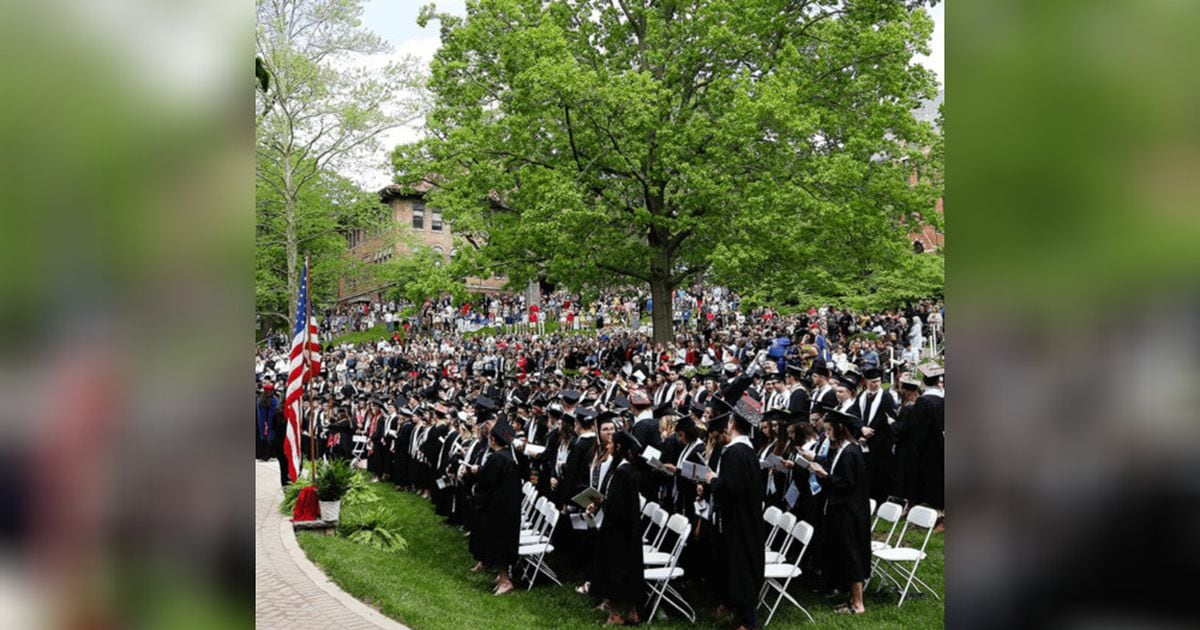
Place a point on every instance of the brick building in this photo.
(410, 218)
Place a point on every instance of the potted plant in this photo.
(333, 481)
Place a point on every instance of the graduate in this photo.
(878, 412)
(737, 490)
(617, 562)
(777, 481)
(599, 477)
(847, 513)
(498, 522)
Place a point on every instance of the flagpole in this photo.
(312, 430)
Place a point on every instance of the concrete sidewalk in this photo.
(290, 592)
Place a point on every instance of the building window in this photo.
(435, 220)
(418, 216)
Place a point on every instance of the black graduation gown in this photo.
(617, 561)
(443, 498)
(708, 552)
(847, 522)
(738, 492)
(465, 509)
(401, 458)
(646, 431)
(498, 525)
(546, 464)
(920, 451)
(574, 475)
(574, 480)
(799, 406)
(377, 456)
(881, 461)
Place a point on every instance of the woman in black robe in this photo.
(498, 486)
(617, 563)
(847, 522)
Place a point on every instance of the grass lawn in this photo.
(429, 586)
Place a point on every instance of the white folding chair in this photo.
(534, 555)
(536, 532)
(658, 579)
(359, 447)
(653, 555)
(771, 515)
(786, 523)
(874, 504)
(898, 557)
(658, 521)
(786, 571)
(648, 510)
(889, 512)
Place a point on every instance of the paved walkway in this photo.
(290, 591)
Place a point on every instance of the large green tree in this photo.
(322, 213)
(599, 142)
(324, 108)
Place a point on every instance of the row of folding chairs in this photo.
(661, 559)
(539, 517)
(895, 561)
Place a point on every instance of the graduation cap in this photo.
(586, 416)
(697, 409)
(626, 440)
(749, 409)
(621, 402)
(833, 416)
(931, 370)
(848, 380)
(570, 396)
(502, 431)
(872, 374)
(483, 402)
(776, 415)
(685, 424)
(794, 370)
(639, 399)
(554, 409)
(606, 416)
(665, 409)
(819, 368)
(910, 384)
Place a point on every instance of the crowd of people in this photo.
(815, 414)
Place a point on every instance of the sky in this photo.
(396, 22)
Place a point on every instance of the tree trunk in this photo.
(660, 287)
(290, 240)
(660, 292)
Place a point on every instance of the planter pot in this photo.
(330, 510)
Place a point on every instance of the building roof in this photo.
(396, 191)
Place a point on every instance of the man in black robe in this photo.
(737, 490)
(920, 444)
(877, 409)
(799, 405)
(403, 455)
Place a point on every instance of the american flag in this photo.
(305, 361)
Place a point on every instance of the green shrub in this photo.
(334, 480)
(378, 528)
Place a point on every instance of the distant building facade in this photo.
(411, 219)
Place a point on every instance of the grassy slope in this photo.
(429, 587)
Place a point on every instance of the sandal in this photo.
(582, 589)
(614, 620)
(845, 609)
(502, 589)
